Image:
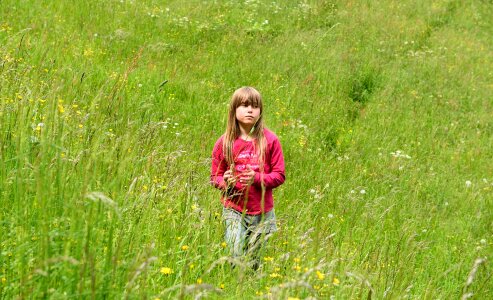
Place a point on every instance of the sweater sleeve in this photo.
(276, 176)
(219, 166)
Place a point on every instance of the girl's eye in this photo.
(246, 105)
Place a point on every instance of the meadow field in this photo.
(109, 111)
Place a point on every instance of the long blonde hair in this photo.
(249, 96)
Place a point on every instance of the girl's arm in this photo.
(276, 176)
(219, 167)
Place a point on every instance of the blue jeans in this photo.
(247, 234)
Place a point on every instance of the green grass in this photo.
(384, 111)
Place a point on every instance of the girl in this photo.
(247, 163)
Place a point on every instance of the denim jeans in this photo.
(247, 234)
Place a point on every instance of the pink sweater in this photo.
(244, 154)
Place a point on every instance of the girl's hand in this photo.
(246, 178)
(229, 177)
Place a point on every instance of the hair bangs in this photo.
(253, 101)
(247, 96)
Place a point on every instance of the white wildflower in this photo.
(400, 154)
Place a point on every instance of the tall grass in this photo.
(109, 111)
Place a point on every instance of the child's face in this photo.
(247, 114)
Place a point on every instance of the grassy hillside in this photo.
(109, 111)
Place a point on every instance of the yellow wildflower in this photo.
(88, 52)
(335, 281)
(221, 286)
(184, 247)
(268, 258)
(199, 281)
(166, 271)
(224, 245)
(302, 141)
(320, 275)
